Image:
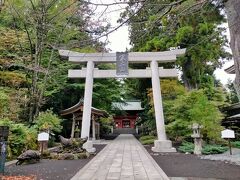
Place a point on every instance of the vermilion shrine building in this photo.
(127, 114)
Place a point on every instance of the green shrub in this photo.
(105, 125)
(143, 138)
(82, 155)
(214, 149)
(48, 121)
(186, 147)
(4, 104)
(51, 141)
(45, 154)
(193, 107)
(20, 138)
(147, 139)
(236, 144)
(207, 149)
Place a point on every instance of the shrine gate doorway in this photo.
(127, 113)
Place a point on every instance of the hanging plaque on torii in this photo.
(122, 63)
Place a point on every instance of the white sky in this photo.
(119, 40)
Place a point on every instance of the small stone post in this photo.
(73, 126)
(197, 138)
(111, 129)
(93, 128)
(4, 132)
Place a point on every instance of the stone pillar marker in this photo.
(162, 144)
(73, 126)
(93, 129)
(4, 133)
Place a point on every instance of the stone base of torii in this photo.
(89, 73)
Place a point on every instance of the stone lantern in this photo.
(197, 138)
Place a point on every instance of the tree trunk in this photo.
(186, 67)
(233, 16)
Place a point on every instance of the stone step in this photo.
(124, 131)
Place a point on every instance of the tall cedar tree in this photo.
(158, 27)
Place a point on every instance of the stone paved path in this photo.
(124, 159)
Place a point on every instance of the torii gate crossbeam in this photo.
(154, 72)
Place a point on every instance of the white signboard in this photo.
(227, 133)
(43, 136)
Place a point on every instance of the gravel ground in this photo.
(189, 165)
(173, 164)
(234, 158)
(51, 169)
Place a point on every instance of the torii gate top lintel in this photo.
(134, 57)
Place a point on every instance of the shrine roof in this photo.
(234, 116)
(233, 106)
(134, 105)
(79, 108)
(230, 70)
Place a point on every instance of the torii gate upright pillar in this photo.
(162, 144)
(87, 105)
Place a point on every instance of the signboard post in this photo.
(228, 134)
(4, 131)
(43, 141)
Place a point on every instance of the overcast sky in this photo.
(119, 41)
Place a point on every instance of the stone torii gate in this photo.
(154, 72)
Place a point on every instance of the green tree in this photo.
(161, 25)
(48, 121)
(21, 138)
(194, 107)
(4, 104)
(29, 42)
(232, 96)
(232, 8)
